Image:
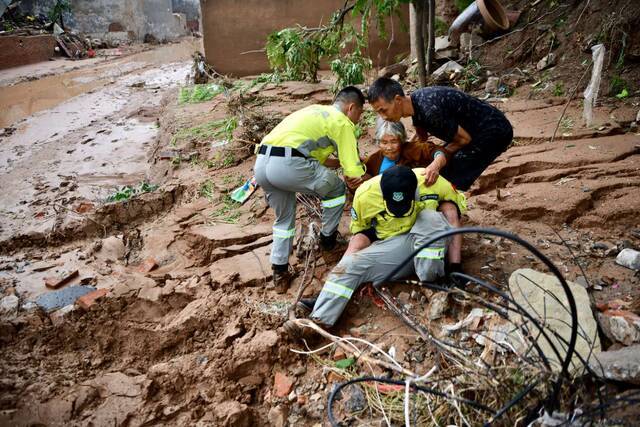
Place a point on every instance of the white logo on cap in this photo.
(398, 196)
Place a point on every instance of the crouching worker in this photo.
(398, 216)
(291, 159)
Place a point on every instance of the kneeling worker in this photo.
(398, 216)
(291, 160)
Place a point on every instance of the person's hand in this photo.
(431, 174)
(354, 183)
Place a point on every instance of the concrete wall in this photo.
(139, 17)
(231, 27)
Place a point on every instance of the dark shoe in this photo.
(328, 243)
(305, 306)
(282, 280)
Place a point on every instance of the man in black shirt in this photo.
(474, 132)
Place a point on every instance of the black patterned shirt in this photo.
(440, 110)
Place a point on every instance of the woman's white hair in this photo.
(395, 129)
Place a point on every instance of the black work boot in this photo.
(305, 306)
(282, 278)
(332, 247)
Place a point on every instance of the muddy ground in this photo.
(189, 332)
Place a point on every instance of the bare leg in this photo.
(450, 212)
(357, 243)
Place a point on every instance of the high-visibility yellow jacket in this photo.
(318, 131)
(369, 209)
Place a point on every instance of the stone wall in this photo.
(232, 28)
(137, 17)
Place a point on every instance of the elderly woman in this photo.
(395, 150)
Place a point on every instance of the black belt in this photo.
(279, 151)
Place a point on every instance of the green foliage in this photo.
(441, 28)
(127, 192)
(228, 212)
(345, 363)
(471, 75)
(296, 53)
(617, 85)
(463, 4)
(216, 129)
(623, 94)
(350, 70)
(60, 7)
(199, 93)
(207, 189)
(558, 89)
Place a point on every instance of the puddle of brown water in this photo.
(24, 99)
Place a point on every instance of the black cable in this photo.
(339, 387)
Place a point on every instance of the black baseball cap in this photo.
(398, 185)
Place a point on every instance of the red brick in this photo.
(86, 301)
(55, 282)
(282, 385)
(147, 265)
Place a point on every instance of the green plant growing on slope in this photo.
(199, 93)
(127, 192)
(58, 9)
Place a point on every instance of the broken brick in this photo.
(84, 207)
(54, 282)
(282, 385)
(86, 301)
(147, 265)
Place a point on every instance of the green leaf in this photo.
(345, 363)
(623, 94)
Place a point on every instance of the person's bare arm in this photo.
(432, 171)
(332, 163)
(460, 139)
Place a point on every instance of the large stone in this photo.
(438, 305)
(546, 62)
(467, 40)
(442, 43)
(620, 326)
(278, 416)
(544, 298)
(620, 365)
(629, 258)
(447, 71)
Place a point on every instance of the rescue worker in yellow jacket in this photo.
(293, 158)
(399, 216)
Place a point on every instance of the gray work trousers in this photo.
(373, 263)
(281, 178)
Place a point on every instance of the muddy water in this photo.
(23, 99)
(83, 147)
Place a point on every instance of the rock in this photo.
(600, 246)
(442, 43)
(232, 414)
(356, 400)
(63, 277)
(620, 365)
(448, 54)
(9, 304)
(112, 249)
(404, 298)
(249, 269)
(546, 62)
(390, 70)
(533, 290)
(150, 294)
(438, 305)
(611, 252)
(282, 385)
(88, 300)
(625, 244)
(467, 40)
(582, 281)
(492, 85)
(448, 71)
(278, 416)
(629, 258)
(620, 326)
(147, 265)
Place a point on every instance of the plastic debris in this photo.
(591, 93)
